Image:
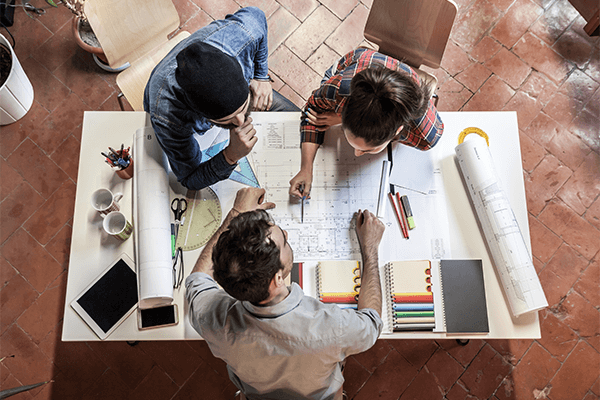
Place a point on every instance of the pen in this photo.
(303, 197)
(402, 228)
(403, 216)
(172, 240)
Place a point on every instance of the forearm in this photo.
(309, 151)
(204, 263)
(370, 289)
(209, 172)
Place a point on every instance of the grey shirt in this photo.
(291, 350)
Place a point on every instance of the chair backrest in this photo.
(415, 31)
(133, 80)
(130, 29)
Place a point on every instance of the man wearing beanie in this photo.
(215, 77)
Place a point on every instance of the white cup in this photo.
(104, 201)
(115, 223)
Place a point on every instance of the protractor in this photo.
(201, 219)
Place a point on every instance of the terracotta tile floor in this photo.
(529, 56)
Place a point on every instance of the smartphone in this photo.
(158, 317)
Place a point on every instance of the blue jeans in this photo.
(280, 103)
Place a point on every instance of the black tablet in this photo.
(110, 298)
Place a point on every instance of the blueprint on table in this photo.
(342, 184)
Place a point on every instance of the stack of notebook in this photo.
(408, 284)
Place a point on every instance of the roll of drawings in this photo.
(153, 221)
(501, 230)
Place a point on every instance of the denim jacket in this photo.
(242, 35)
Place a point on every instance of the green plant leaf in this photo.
(53, 4)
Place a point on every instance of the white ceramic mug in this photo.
(115, 223)
(104, 201)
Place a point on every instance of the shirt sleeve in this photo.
(185, 157)
(422, 133)
(203, 295)
(255, 21)
(325, 99)
(361, 329)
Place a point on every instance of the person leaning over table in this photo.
(216, 76)
(376, 99)
(277, 342)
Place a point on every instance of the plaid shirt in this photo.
(422, 133)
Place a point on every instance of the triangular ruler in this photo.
(243, 173)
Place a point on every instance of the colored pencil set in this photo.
(118, 160)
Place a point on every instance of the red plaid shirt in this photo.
(422, 133)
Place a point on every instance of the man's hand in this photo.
(263, 95)
(369, 230)
(302, 179)
(241, 141)
(246, 199)
(323, 120)
(250, 198)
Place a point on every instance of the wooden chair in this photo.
(134, 31)
(415, 32)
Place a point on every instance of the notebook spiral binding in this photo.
(356, 279)
(438, 266)
(388, 290)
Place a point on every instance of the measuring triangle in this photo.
(243, 173)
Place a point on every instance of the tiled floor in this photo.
(531, 56)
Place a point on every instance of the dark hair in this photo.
(245, 258)
(381, 100)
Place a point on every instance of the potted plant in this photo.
(84, 35)
(16, 91)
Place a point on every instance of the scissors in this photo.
(178, 206)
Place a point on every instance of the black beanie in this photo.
(212, 81)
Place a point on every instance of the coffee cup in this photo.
(115, 223)
(104, 201)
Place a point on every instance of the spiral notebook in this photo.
(338, 281)
(410, 299)
(443, 296)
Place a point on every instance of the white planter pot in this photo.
(16, 94)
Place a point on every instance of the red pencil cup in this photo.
(126, 173)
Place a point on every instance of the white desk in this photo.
(92, 250)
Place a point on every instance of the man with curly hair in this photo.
(277, 342)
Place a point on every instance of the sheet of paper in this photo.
(152, 221)
(413, 169)
(342, 184)
(501, 230)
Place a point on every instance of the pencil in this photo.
(397, 215)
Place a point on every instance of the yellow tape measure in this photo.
(465, 132)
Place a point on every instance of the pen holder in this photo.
(126, 173)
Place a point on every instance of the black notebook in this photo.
(463, 296)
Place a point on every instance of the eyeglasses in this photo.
(178, 268)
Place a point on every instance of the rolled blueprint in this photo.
(153, 221)
(510, 256)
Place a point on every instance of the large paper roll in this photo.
(153, 221)
(510, 256)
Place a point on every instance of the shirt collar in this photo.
(283, 307)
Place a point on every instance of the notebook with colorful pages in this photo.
(441, 296)
(338, 281)
(409, 295)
